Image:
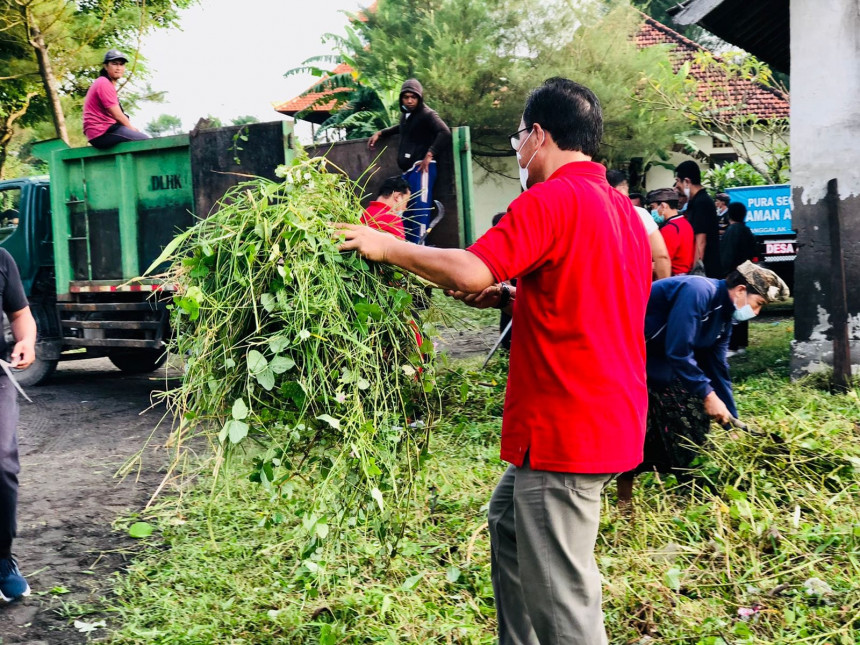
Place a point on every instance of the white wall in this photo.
(825, 103)
(493, 192)
(660, 177)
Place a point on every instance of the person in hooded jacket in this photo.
(422, 135)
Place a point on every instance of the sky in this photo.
(229, 57)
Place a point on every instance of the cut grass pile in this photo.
(762, 547)
(304, 358)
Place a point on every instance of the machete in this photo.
(8, 369)
(498, 342)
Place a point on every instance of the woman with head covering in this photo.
(105, 124)
(688, 324)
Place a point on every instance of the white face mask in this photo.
(742, 314)
(524, 172)
(687, 191)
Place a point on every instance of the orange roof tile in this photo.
(303, 101)
(761, 102)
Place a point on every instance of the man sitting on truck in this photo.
(105, 123)
(14, 304)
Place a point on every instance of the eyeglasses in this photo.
(515, 138)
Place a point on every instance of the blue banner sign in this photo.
(768, 208)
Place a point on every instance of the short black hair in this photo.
(737, 212)
(689, 170)
(735, 278)
(637, 196)
(723, 197)
(570, 112)
(396, 184)
(616, 177)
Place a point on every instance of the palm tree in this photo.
(359, 105)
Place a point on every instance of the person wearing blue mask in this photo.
(423, 135)
(688, 324)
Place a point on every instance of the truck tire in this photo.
(38, 372)
(138, 361)
(40, 369)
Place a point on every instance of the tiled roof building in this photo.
(321, 111)
(759, 101)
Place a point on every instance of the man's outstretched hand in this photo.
(371, 143)
(371, 244)
(487, 298)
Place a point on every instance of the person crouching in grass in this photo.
(688, 325)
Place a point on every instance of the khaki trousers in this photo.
(543, 526)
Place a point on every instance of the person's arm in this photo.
(24, 330)
(662, 267)
(727, 250)
(701, 240)
(682, 327)
(716, 368)
(489, 297)
(443, 132)
(385, 132)
(453, 269)
(120, 117)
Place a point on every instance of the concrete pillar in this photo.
(825, 145)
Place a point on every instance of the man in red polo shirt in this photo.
(677, 232)
(384, 213)
(576, 399)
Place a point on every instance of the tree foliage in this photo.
(478, 59)
(244, 120)
(731, 175)
(54, 48)
(164, 124)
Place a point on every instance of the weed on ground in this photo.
(760, 545)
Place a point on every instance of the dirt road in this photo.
(82, 426)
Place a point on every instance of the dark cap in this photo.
(723, 197)
(115, 54)
(668, 195)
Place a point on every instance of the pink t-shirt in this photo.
(100, 97)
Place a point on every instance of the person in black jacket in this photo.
(422, 135)
(737, 245)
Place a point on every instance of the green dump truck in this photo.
(84, 235)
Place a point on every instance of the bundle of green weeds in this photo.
(306, 357)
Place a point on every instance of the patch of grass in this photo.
(455, 314)
(769, 353)
(762, 546)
